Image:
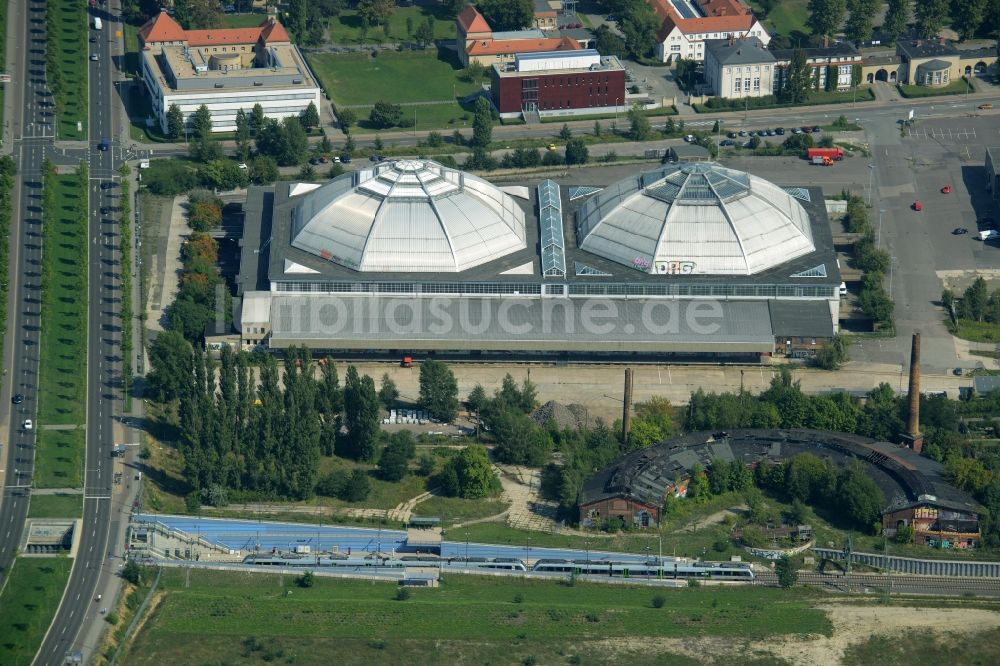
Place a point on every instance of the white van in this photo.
(97, 23)
(988, 234)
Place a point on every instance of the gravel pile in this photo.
(573, 416)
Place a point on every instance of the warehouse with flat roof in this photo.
(685, 261)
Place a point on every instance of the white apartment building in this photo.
(688, 24)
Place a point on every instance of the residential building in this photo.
(688, 24)
(559, 83)
(841, 56)
(477, 42)
(225, 69)
(547, 14)
(738, 68)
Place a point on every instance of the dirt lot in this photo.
(852, 624)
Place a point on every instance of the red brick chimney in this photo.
(913, 437)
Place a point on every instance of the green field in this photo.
(346, 28)
(73, 58)
(28, 604)
(418, 76)
(456, 510)
(64, 304)
(63, 505)
(443, 117)
(239, 618)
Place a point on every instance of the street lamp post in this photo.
(881, 212)
(871, 175)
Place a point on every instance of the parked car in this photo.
(807, 130)
(780, 131)
(315, 160)
(242, 165)
(727, 142)
(345, 159)
(689, 138)
(959, 231)
(732, 135)
(816, 129)
(797, 131)
(985, 107)
(946, 189)
(17, 399)
(917, 205)
(743, 133)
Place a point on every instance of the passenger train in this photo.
(648, 569)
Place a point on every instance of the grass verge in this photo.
(816, 97)
(978, 331)
(64, 303)
(61, 505)
(8, 169)
(954, 88)
(230, 617)
(28, 605)
(66, 64)
(59, 463)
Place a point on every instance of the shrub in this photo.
(402, 594)
(659, 601)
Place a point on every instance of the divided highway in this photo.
(32, 132)
(103, 361)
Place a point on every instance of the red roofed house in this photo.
(478, 43)
(688, 23)
(226, 70)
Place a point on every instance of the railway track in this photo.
(866, 583)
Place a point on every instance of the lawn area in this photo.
(28, 605)
(63, 505)
(243, 20)
(240, 617)
(959, 87)
(922, 649)
(71, 45)
(787, 17)
(416, 76)
(346, 28)
(453, 510)
(131, 66)
(64, 303)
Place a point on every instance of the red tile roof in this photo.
(163, 28)
(509, 46)
(720, 16)
(470, 20)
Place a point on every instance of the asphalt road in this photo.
(32, 132)
(103, 365)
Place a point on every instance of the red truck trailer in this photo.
(832, 153)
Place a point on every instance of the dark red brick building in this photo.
(559, 83)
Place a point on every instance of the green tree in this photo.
(482, 124)
(296, 19)
(394, 462)
(347, 118)
(263, 169)
(860, 19)
(310, 117)
(576, 151)
(833, 353)
(967, 17)
(788, 575)
(471, 474)
(201, 122)
(257, 119)
(639, 24)
(388, 393)
(974, 301)
(385, 114)
(896, 18)
(826, 16)
(608, 43)
(505, 15)
(242, 135)
(375, 12)
(424, 34)
(357, 488)
(132, 572)
(175, 122)
(859, 497)
(438, 390)
(797, 79)
(639, 127)
(307, 579)
(831, 79)
(170, 360)
(362, 415)
(565, 133)
(930, 16)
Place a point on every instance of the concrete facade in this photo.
(739, 68)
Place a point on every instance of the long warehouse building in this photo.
(687, 261)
